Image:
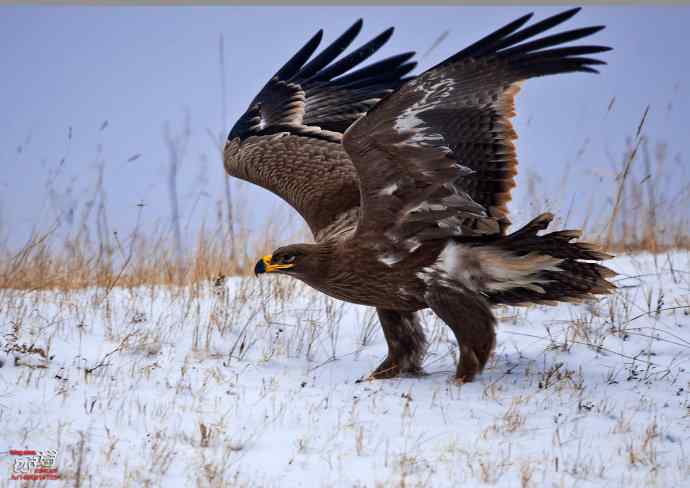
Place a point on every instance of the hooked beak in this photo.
(265, 265)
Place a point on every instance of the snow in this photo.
(254, 383)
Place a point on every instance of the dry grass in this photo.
(247, 382)
(46, 263)
(647, 211)
(646, 219)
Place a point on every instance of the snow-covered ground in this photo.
(253, 382)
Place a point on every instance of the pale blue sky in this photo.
(138, 67)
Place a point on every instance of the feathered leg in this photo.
(406, 344)
(470, 318)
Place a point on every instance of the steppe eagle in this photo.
(404, 180)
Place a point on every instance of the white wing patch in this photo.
(412, 244)
(409, 121)
(389, 190)
(425, 207)
(390, 259)
(342, 227)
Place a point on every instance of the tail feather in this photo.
(559, 269)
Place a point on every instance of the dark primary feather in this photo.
(313, 93)
(379, 69)
(353, 59)
(483, 45)
(330, 53)
(436, 158)
(299, 58)
(313, 98)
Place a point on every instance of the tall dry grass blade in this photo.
(622, 178)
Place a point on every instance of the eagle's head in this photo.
(308, 262)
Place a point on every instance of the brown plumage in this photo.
(404, 183)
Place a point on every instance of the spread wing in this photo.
(289, 140)
(436, 158)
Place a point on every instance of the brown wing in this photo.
(288, 141)
(436, 158)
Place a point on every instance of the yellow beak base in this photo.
(266, 265)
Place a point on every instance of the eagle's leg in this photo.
(472, 322)
(406, 344)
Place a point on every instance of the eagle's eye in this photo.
(286, 259)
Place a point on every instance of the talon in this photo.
(388, 371)
(463, 378)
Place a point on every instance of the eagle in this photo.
(404, 183)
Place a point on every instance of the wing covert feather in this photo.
(288, 140)
(436, 158)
